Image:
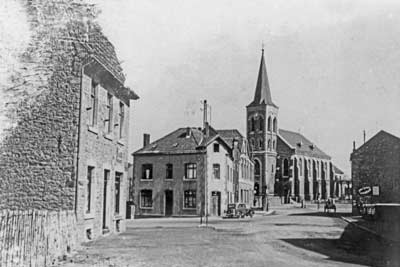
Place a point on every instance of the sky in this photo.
(332, 65)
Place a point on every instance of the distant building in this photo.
(67, 145)
(285, 163)
(342, 184)
(376, 165)
(189, 171)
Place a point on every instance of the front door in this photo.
(169, 202)
(106, 178)
(216, 203)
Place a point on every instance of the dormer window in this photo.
(299, 144)
(312, 146)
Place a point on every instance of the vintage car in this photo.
(238, 210)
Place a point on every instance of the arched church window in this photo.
(261, 124)
(260, 144)
(285, 167)
(275, 125)
(257, 167)
(252, 124)
(273, 145)
(269, 123)
(269, 144)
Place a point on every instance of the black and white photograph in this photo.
(199, 133)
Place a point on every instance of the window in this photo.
(121, 119)
(272, 168)
(146, 199)
(109, 113)
(118, 177)
(190, 170)
(275, 126)
(261, 144)
(169, 171)
(93, 104)
(190, 199)
(147, 171)
(261, 124)
(216, 147)
(273, 145)
(216, 171)
(252, 125)
(257, 168)
(269, 144)
(285, 167)
(89, 182)
(269, 123)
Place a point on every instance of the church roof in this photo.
(263, 92)
(302, 145)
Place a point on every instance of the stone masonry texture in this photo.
(49, 142)
(377, 162)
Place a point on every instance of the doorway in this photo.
(216, 203)
(169, 202)
(106, 178)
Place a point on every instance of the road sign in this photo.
(366, 190)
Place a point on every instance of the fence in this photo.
(35, 238)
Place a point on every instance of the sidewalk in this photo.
(371, 227)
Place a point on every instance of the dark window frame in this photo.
(117, 183)
(89, 189)
(190, 171)
(217, 171)
(216, 148)
(146, 198)
(169, 171)
(189, 199)
(145, 167)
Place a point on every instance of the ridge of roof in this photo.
(376, 135)
(306, 147)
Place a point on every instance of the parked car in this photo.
(243, 210)
(238, 210)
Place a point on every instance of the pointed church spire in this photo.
(263, 92)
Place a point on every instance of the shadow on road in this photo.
(354, 246)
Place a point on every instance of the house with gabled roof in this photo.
(376, 163)
(187, 172)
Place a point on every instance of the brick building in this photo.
(285, 163)
(188, 171)
(65, 147)
(377, 163)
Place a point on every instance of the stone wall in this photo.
(377, 162)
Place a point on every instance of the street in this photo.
(291, 237)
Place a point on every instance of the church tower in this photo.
(262, 130)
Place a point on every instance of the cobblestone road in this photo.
(291, 237)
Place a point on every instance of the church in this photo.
(286, 164)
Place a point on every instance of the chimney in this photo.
(188, 131)
(205, 122)
(146, 139)
(364, 135)
(354, 146)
